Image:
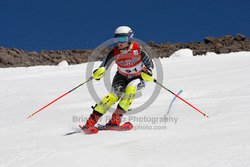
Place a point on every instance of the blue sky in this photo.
(78, 24)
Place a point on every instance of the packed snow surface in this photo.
(219, 85)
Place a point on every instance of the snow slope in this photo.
(218, 85)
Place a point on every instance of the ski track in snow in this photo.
(219, 85)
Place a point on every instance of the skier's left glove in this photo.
(148, 71)
(147, 75)
(99, 73)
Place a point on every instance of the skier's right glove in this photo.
(99, 73)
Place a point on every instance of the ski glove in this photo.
(147, 75)
(148, 71)
(99, 73)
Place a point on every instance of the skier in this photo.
(131, 62)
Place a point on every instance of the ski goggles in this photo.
(122, 39)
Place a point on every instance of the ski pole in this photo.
(59, 98)
(171, 103)
(150, 79)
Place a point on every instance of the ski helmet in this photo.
(124, 31)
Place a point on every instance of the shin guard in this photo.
(106, 103)
(128, 97)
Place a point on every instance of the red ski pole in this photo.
(205, 115)
(59, 98)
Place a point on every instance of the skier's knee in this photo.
(118, 90)
(106, 103)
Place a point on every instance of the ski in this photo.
(78, 130)
(125, 127)
(90, 130)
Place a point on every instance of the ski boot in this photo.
(89, 127)
(116, 117)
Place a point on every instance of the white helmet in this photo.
(124, 31)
